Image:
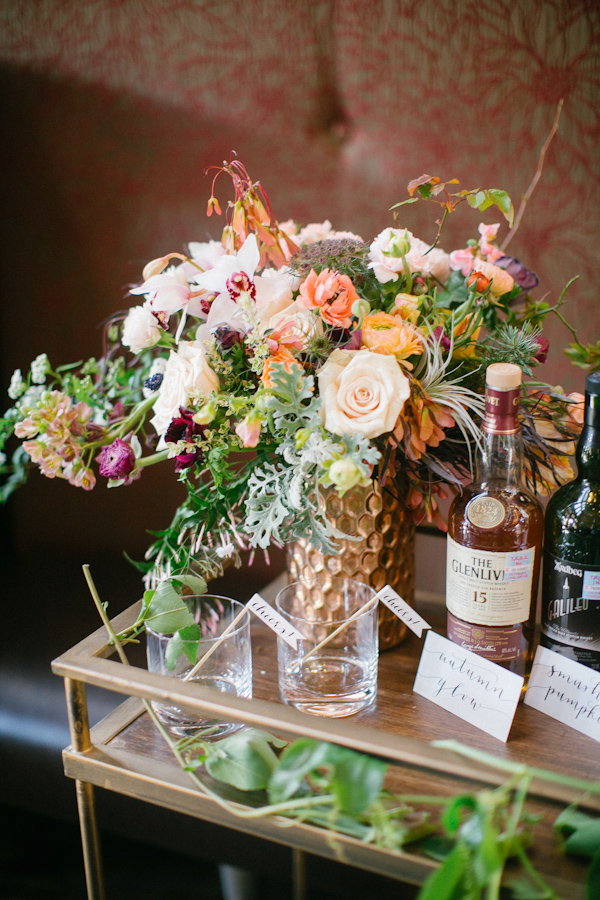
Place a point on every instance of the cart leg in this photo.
(79, 726)
(90, 841)
(299, 871)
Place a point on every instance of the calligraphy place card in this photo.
(566, 690)
(469, 686)
(401, 608)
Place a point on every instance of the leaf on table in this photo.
(444, 882)
(357, 779)
(592, 884)
(295, 763)
(244, 760)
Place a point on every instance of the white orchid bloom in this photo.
(231, 275)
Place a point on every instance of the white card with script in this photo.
(467, 685)
(401, 608)
(565, 690)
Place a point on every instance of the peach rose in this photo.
(361, 392)
(383, 333)
(333, 294)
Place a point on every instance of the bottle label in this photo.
(497, 644)
(488, 588)
(501, 408)
(571, 603)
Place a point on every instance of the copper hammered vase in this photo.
(385, 553)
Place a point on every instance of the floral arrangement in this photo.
(285, 361)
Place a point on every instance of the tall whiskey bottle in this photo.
(571, 581)
(495, 530)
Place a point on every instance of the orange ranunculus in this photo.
(283, 355)
(383, 333)
(333, 294)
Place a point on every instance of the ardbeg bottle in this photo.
(495, 529)
(571, 580)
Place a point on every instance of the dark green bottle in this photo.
(571, 579)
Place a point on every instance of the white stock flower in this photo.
(361, 392)
(187, 372)
(39, 368)
(17, 385)
(140, 329)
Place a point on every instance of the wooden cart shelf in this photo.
(125, 753)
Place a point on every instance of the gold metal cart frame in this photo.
(124, 753)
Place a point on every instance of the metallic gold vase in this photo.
(385, 553)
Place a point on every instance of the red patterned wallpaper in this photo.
(111, 110)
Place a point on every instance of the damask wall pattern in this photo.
(113, 108)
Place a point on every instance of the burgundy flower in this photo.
(441, 337)
(542, 355)
(226, 337)
(523, 277)
(183, 428)
(117, 460)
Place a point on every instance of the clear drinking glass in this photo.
(227, 667)
(340, 677)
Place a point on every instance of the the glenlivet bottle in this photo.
(571, 581)
(495, 530)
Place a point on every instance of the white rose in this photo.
(140, 329)
(361, 392)
(186, 372)
(298, 321)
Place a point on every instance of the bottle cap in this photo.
(592, 383)
(503, 376)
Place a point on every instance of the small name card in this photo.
(275, 621)
(401, 608)
(467, 685)
(565, 690)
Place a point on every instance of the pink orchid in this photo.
(170, 292)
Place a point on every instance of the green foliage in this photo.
(585, 356)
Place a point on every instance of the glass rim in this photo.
(243, 623)
(334, 621)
